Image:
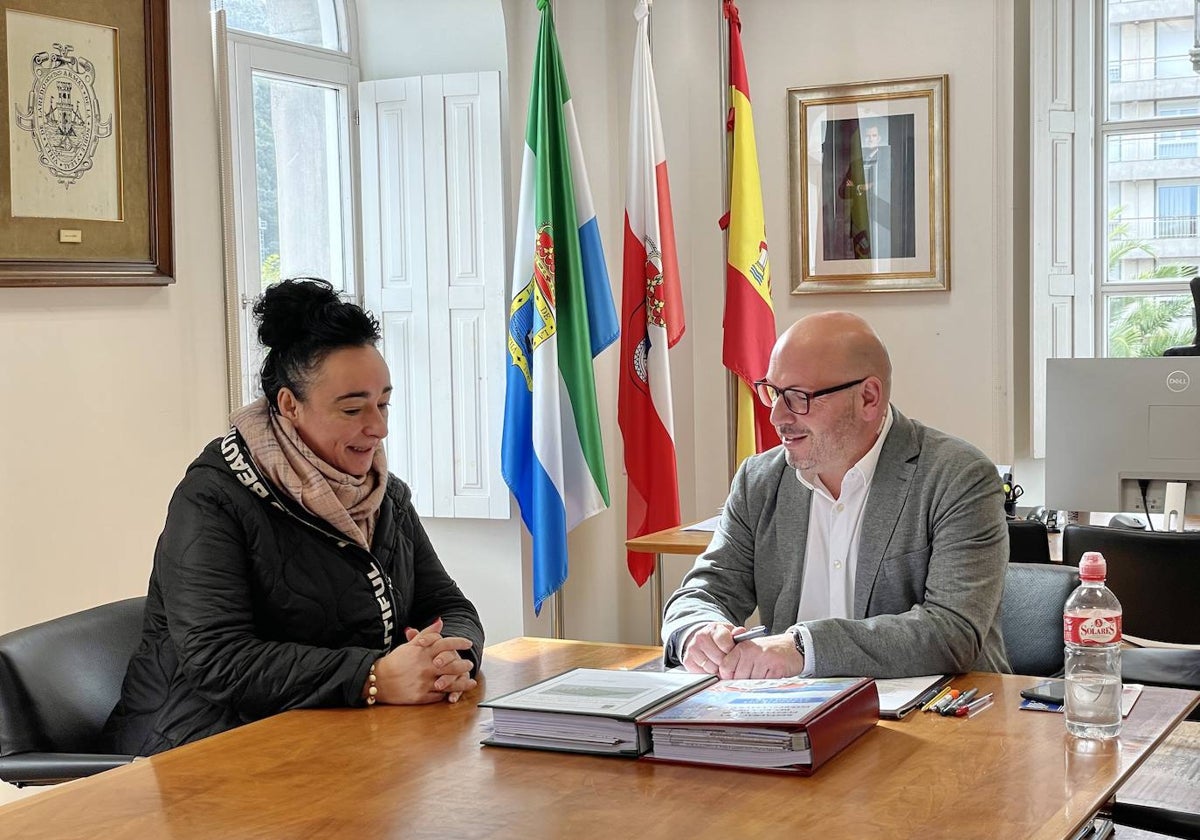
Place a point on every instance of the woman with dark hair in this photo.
(292, 571)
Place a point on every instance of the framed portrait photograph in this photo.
(868, 186)
(85, 154)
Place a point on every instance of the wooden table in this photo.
(670, 541)
(419, 772)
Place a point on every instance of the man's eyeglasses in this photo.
(796, 400)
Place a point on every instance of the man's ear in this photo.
(287, 402)
(873, 405)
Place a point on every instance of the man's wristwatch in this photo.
(798, 640)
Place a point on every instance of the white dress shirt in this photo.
(831, 553)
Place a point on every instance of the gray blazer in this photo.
(931, 561)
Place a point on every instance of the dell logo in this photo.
(1178, 380)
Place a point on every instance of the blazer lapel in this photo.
(794, 501)
(889, 489)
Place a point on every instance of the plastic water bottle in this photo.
(1092, 634)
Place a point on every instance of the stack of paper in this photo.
(751, 747)
(899, 696)
(587, 710)
(792, 724)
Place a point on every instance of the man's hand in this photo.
(769, 657)
(707, 647)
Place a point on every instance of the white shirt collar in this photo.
(864, 470)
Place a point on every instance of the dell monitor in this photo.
(1114, 425)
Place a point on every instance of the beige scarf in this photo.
(349, 503)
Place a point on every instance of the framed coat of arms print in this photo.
(85, 168)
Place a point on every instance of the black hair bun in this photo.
(300, 322)
(293, 310)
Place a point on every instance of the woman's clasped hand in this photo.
(426, 669)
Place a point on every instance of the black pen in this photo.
(751, 633)
(932, 702)
(927, 695)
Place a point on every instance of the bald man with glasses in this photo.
(870, 544)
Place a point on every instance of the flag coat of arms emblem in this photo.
(561, 315)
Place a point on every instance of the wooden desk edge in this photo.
(521, 641)
(1151, 747)
(675, 540)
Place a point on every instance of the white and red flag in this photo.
(651, 315)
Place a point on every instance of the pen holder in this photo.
(1012, 492)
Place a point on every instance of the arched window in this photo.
(312, 23)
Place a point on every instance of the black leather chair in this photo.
(59, 681)
(1028, 541)
(1192, 349)
(1031, 613)
(1155, 575)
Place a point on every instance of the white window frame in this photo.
(1069, 205)
(246, 55)
(1105, 289)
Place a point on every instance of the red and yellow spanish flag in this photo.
(749, 314)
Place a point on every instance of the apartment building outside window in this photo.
(1148, 133)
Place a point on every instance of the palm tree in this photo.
(1145, 325)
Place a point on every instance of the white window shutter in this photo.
(1062, 193)
(448, 127)
(395, 269)
(465, 249)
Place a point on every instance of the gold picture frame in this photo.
(85, 143)
(869, 186)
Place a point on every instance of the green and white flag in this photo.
(560, 317)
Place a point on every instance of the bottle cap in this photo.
(1092, 566)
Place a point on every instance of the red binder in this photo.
(791, 725)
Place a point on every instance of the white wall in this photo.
(949, 349)
(108, 393)
(411, 38)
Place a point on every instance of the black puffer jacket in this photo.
(256, 606)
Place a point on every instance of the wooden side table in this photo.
(670, 541)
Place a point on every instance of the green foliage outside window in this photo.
(270, 270)
(1141, 326)
(1145, 325)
